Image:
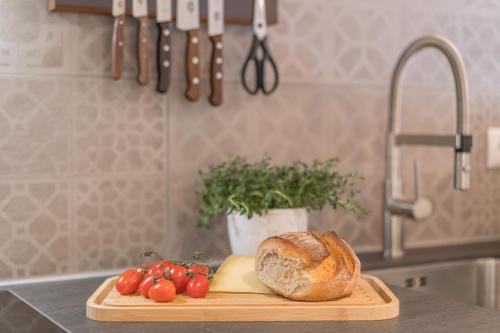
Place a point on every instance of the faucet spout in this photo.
(461, 141)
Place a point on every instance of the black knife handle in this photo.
(216, 70)
(163, 56)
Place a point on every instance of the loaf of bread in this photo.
(308, 266)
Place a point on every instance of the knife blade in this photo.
(163, 21)
(140, 12)
(118, 11)
(188, 19)
(215, 32)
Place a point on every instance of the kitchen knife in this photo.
(215, 31)
(140, 12)
(163, 20)
(118, 11)
(188, 19)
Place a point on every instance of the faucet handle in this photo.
(422, 207)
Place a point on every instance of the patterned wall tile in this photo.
(299, 41)
(420, 108)
(480, 45)
(359, 4)
(201, 135)
(433, 6)
(33, 40)
(361, 44)
(34, 121)
(325, 119)
(485, 8)
(34, 228)
(117, 219)
(119, 127)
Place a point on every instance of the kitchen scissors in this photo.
(259, 55)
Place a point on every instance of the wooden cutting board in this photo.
(371, 300)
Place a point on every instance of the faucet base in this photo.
(394, 239)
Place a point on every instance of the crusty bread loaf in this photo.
(307, 266)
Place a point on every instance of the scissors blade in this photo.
(259, 19)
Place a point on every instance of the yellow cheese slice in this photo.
(236, 275)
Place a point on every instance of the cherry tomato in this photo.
(198, 286)
(162, 291)
(162, 264)
(145, 284)
(199, 269)
(128, 282)
(156, 272)
(179, 277)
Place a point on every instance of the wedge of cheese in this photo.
(236, 275)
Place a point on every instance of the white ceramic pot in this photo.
(245, 234)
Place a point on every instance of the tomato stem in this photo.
(197, 255)
(150, 253)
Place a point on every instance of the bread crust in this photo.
(306, 245)
(308, 266)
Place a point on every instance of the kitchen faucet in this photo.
(395, 208)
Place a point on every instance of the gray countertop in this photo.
(64, 302)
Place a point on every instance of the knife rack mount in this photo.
(235, 11)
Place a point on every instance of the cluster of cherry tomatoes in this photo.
(164, 279)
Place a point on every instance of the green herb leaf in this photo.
(237, 186)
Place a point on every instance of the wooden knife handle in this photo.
(143, 50)
(193, 65)
(216, 70)
(117, 47)
(163, 56)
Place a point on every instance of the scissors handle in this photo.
(251, 58)
(267, 57)
(260, 68)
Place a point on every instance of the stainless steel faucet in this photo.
(395, 207)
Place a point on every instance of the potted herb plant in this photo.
(261, 199)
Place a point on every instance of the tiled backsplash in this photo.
(93, 171)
